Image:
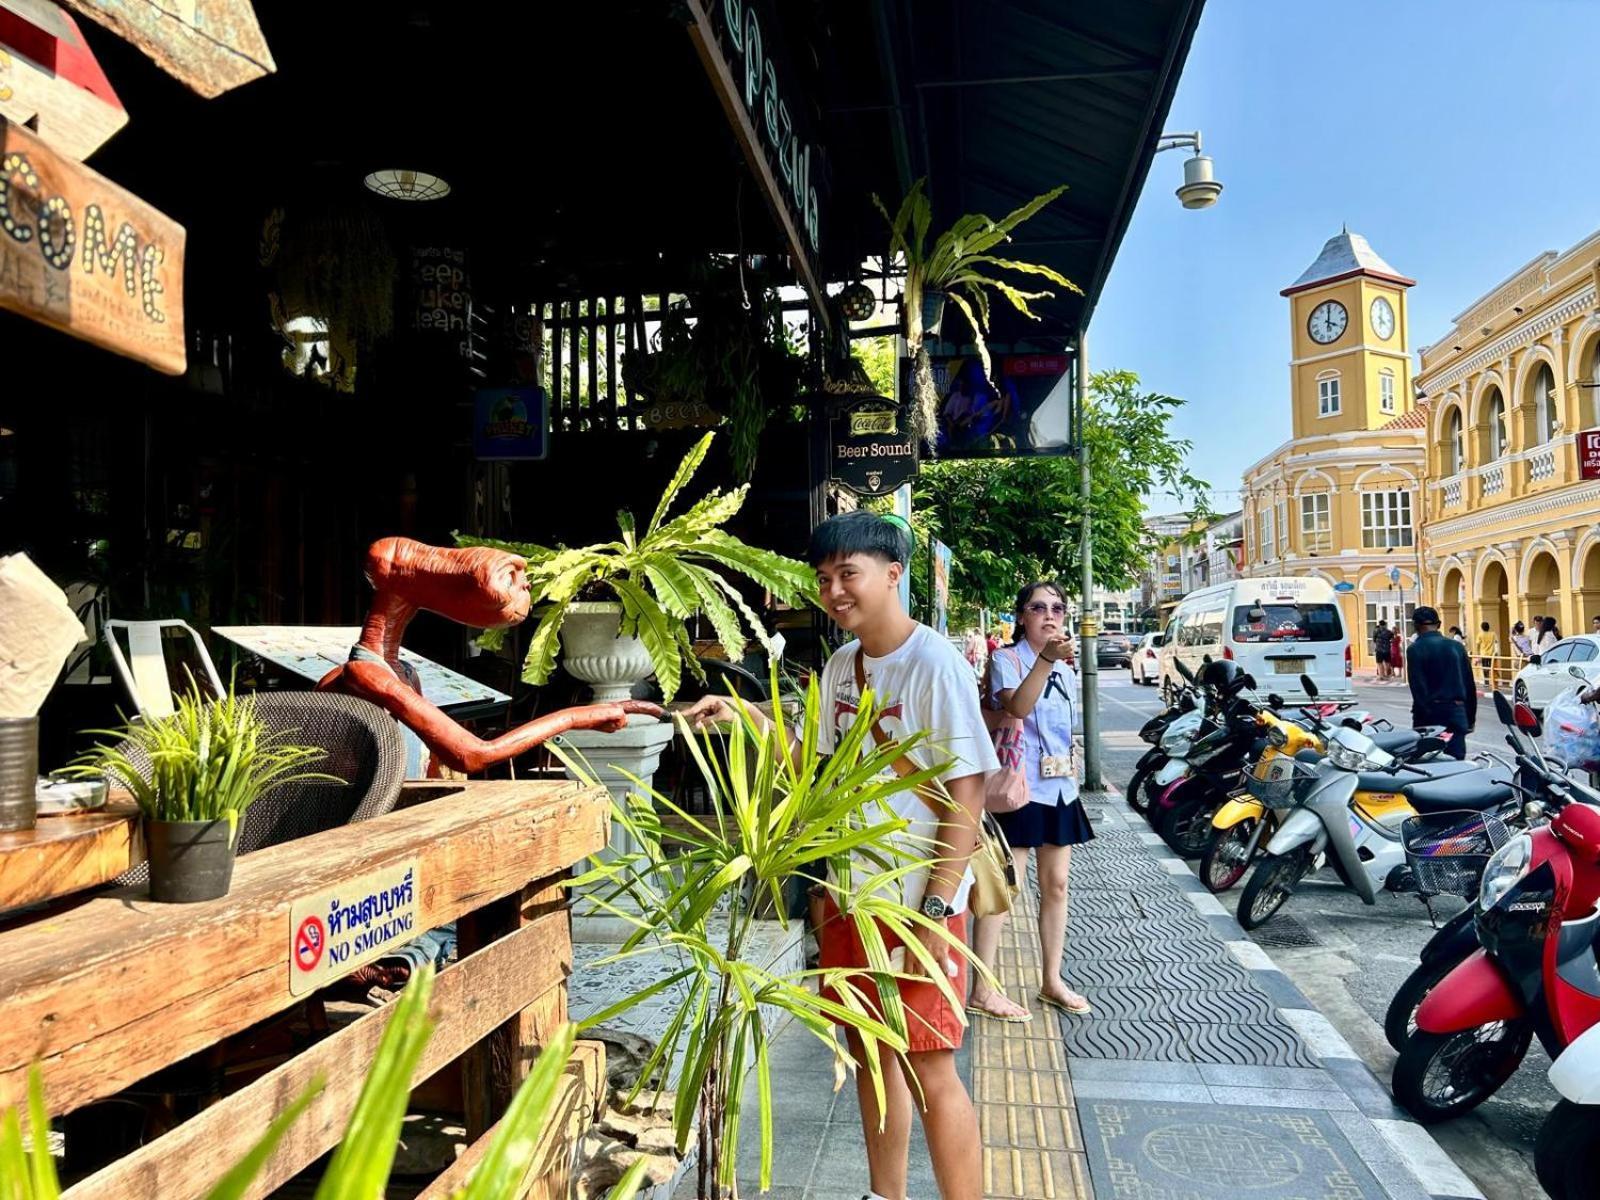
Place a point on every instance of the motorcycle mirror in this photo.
(1309, 685)
(1502, 709)
(1535, 659)
(1274, 700)
(1526, 719)
(1183, 670)
(1247, 682)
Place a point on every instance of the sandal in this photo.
(1019, 1018)
(1070, 1010)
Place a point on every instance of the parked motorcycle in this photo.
(1349, 808)
(1566, 1155)
(1536, 971)
(1168, 733)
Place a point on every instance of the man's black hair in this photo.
(858, 532)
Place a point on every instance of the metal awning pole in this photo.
(1087, 628)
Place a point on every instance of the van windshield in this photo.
(1287, 623)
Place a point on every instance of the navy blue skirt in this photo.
(1046, 825)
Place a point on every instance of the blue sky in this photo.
(1458, 137)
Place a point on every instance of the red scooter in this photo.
(1536, 971)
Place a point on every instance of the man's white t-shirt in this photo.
(923, 686)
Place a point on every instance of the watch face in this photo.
(1382, 318)
(1327, 323)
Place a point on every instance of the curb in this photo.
(1400, 1139)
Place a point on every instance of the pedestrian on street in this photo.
(860, 558)
(1520, 639)
(1549, 633)
(1442, 688)
(1486, 647)
(1594, 624)
(1034, 680)
(1382, 638)
(1455, 632)
(1397, 655)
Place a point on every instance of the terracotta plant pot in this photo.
(189, 860)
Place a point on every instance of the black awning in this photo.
(1000, 100)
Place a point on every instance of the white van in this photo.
(1275, 628)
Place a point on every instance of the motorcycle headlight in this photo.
(1345, 758)
(1277, 737)
(1175, 745)
(1507, 865)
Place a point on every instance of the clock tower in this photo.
(1351, 364)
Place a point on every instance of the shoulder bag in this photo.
(994, 873)
(1005, 790)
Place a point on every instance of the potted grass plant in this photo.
(193, 774)
(618, 609)
(958, 267)
(696, 892)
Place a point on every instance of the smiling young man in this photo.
(923, 685)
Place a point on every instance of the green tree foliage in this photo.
(1009, 521)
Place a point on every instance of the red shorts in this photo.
(931, 1022)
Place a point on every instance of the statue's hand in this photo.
(645, 707)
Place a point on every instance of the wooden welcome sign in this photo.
(51, 82)
(211, 45)
(80, 254)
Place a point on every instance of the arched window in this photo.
(1544, 405)
(1454, 458)
(1328, 394)
(1590, 403)
(1497, 424)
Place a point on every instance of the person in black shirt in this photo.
(1442, 688)
(1382, 644)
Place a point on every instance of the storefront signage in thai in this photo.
(335, 931)
(766, 98)
(873, 452)
(1589, 454)
(80, 254)
(510, 423)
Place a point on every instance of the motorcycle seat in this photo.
(1395, 741)
(1309, 756)
(1459, 791)
(1403, 781)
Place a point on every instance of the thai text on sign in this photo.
(1589, 454)
(80, 254)
(347, 926)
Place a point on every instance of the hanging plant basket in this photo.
(932, 313)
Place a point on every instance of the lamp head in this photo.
(1200, 189)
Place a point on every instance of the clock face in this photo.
(1382, 318)
(1327, 323)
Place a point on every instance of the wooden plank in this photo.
(610, 303)
(113, 276)
(212, 46)
(595, 406)
(51, 82)
(62, 855)
(470, 998)
(119, 987)
(552, 333)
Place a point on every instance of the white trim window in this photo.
(1328, 394)
(1453, 445)
(1385, 520)
(1283, 527)
(1386, 391)
(1316, 523)
(1497, 424)
(1268, 538)
(1544, 405)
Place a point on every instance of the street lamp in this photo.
(1200, 189)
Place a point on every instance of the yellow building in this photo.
(1510, 528)
(1340, 499)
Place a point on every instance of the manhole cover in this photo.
(1284, 931)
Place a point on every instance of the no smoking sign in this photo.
(309, 942)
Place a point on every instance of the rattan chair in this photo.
(363, 747)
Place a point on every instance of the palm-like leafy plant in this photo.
(961, 264)
(359, 1169)
(208, 761)
(776, 815)
(663, 576)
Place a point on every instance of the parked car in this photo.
(1147, 659)
(1547, 674)
(1113, 650)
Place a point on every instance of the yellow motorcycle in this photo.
(1243, 823)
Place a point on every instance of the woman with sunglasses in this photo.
(1034, 681)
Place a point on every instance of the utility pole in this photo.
(1087, 628)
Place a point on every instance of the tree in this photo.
(1010, 521)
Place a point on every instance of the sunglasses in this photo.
(1038, 609)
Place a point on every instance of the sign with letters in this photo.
(1589, 454)
(872, 452)
(82, 255)
(337, 930)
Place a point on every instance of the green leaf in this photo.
(504, 1167)
(654, 630)
(686, 469)
(672, 585)
(628, 1186)
(236, 1183)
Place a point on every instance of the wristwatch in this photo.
(936, 908)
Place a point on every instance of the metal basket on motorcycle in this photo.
(1447, 851)
(1280, 781)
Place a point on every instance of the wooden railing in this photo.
(106, 993)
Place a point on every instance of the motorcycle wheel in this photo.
(1442, 1075)
(1400, 1022)
(1271, 884)
(1566, 1156)
(1186, 826)
(1138, 796)
(1224, 863)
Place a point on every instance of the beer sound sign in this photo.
(872, 453)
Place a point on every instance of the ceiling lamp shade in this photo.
(407, 185)
(857, 302)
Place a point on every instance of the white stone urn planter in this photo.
(592, 652)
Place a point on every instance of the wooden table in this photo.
(62, 855)
(107, 992)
